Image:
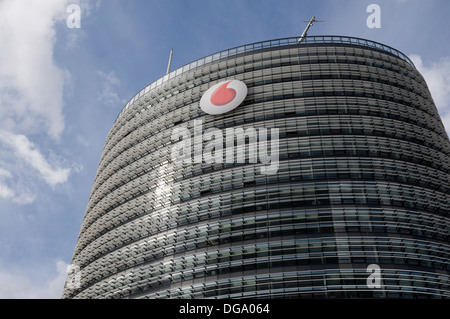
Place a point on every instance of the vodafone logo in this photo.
(223, 97)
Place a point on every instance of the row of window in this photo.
(239, 67)
(154, 141)
(107, 236)
(311, 126)
(319, 128)
(147, 128)
(274, 197)
(167, 137)
(333, 292)
(327, 72)
(199, 238)
(318, 54)
(156, 252)
(261, 52)
(318, 149)
(304, 148)
(179, 88)
(185, 190)
(286, 94)
(332, 283)
(250, 252)
(228, 175)
(307, 169)
(162, 275)
(211, 234)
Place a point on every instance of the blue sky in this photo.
(62, 88)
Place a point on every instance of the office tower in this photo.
(357, 204)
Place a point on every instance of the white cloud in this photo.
(26, 151)
(108, 95)
(14, 286)
(31, 85)
(5, 191)
(32, 89)
(17, 195)
(4, 173)
(437, 76)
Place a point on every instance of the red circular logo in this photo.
(223, 97)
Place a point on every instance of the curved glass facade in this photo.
(363, 178)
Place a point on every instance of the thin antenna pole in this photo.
(170, 62)
(313, 19)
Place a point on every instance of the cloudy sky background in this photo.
(62, 88)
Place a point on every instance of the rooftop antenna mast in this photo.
(313, 19)
(170, 62)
